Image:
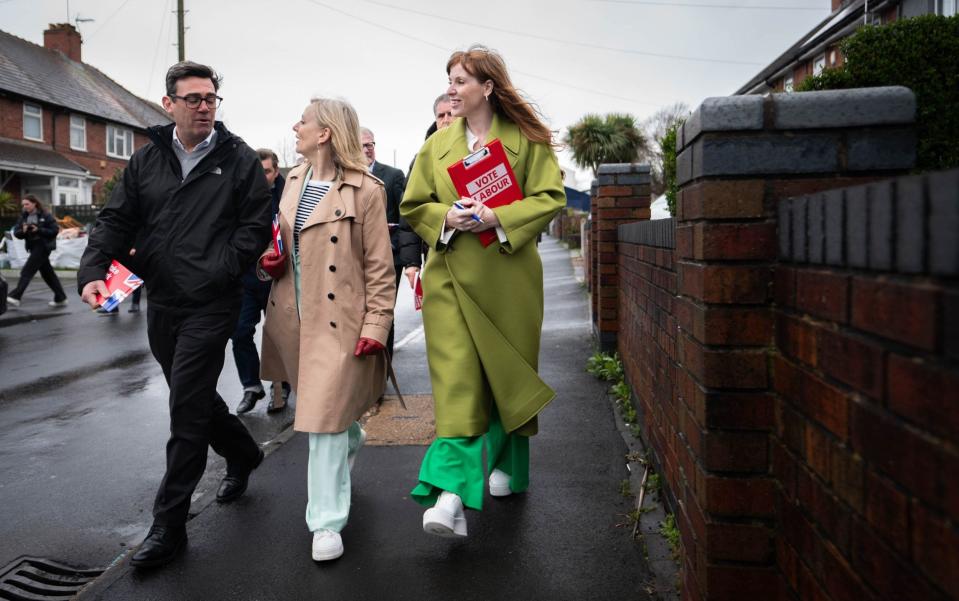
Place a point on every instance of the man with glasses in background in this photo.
(196, 206)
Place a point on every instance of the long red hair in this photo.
(487, 65)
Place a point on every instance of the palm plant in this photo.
(595, 140)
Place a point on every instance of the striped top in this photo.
(312, 195)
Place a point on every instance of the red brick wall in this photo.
(794, 358)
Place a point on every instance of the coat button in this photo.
(334, 239)
(331, 296)
(332, 267)
(337, 212)
(332, 324)
(502, 250)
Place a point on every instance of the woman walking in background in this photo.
(38, 229)
(330, 307)
(483, 306)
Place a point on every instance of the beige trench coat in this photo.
(347, 291)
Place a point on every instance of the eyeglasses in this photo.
(369, 145)
(192, 101)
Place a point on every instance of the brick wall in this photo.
(867, 389)
(773, 365)
(620, 194)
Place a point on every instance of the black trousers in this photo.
(389, 341)
(190, 347)
(39, 260)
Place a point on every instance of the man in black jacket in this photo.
(395, 183)
(195, 205)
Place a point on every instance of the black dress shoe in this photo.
(234, 485)
(250, 397)
(161, 545)
(134, 308)
(273, 407)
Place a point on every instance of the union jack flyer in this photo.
(277, 238)
(418, 293)
(120, 283)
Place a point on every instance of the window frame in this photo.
(941, 8)
(82, 128)
(819, 64)
(788, 85)
(126, 134)
(38, 116)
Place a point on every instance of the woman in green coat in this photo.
(482, 306)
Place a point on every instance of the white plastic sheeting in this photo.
(66, 256)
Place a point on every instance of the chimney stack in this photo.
(837, 4)
(65, 38)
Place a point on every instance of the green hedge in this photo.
(920, 53)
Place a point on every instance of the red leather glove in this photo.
(367, 346)
(273, 264)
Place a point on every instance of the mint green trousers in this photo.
(328, 478)
(456, 465)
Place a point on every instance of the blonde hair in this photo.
(340, 117)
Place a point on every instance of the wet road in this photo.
(83, 424)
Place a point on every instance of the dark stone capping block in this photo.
(799, 205)
(881, 149)
(910, 224)
(881, 225)
(606, 180)
(944, 222)
(762, 154)
(660, 233)
(816, 236)
(684, 166)
(834, 205)
(636, 179)
(724, 113)
(857, 221)
(784, 228)
(844, 108)
(622, 168)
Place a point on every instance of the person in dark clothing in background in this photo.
(412, 250)
(195, 205)
(38, 229)
(256, 294)
(395, 184)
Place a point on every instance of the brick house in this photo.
(819, 48)
(65, 127)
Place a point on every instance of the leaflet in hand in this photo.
(486, 177)
(418, 293)
(120, 283)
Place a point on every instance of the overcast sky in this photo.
(388, 57)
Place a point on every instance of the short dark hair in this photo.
(189, 69)
(267, 154)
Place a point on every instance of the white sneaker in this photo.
(62, 303)
(446, 518)
(327, 545)
(499, 483)
(13, 301)
(351, 458)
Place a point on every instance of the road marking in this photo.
(413, 336)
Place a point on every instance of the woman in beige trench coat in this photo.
(331, 306)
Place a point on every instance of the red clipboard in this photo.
(486, 177)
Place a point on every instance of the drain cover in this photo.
(34, 579)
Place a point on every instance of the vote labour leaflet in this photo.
(486, 177)
(120, 283)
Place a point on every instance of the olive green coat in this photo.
(483, 307)
(347, 290)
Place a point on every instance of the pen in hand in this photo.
(474, 217)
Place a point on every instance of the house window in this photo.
(788, 84)
(947, 8)
(78, 133)
(70, 191)
(119, 142)
(32, 122)
(819, 64)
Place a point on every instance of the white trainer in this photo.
(351, 458)
(499, 483)
(446, 518)
(14, 302)
(327, 545)
(62, 303)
